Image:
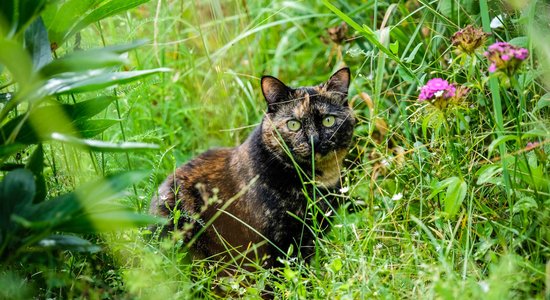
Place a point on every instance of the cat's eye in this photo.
(293, 125)
(328, 121)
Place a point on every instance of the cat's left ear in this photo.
(339, 82)
(275, 91)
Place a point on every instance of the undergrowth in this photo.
(444, 198)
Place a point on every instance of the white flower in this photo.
(397, 197)
(496, 22)
(344, 189)
(484, 286)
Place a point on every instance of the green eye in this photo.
(293, 125)
(328, 121)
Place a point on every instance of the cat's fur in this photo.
(252, 191)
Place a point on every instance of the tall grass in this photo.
(439, 203)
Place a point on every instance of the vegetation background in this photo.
(443, 200)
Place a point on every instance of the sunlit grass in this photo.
(394, 236)
(395, 242)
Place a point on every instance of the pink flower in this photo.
(505, 57)
(437, 88)
(531, 146)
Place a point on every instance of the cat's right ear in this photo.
(274, 91)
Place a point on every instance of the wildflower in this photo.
(437, 88)
(496, 22)
(460, 94)
(397, 197)
(531, 146)
(484, 285)
(505, 57)
(469, 38)
(338, 34)
(344, 189)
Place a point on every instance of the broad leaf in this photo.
(7, 150)
(42, 123)
(108, 221)
(19, 13)
(102, 146)
(91, 128)
(543, 102)
(74, 15)
(489, 174)
(67, 242)
(500, 140)
(16, 193)
(37, 44)
(92, 59)
(81, 210)
(36, 166)
(14, 57)
(94, 80)
(60, 19)
(82, 61)
(456, 192)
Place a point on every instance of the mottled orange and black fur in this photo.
(254, 194)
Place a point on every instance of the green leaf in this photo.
(94, 80)
(92, 59)
(37, 43)
(82, 61)
(91, 128)
(67, 242)
(71, 119)
(102, 146)
(454, 195)
(14, 57)
(108, 221)
(537, 132)
(10, 149)
(88, 108)
(36, 166)
(500, 140)
(456, 192)
(520, 41)
(394, 47)
(336, 265)
(74, 15)
(525, 204)
(369, 35)
(412, 55)
(543, 102)
(445, 7)
(61, 18)
(105, 9)
(89, 209)
(19, 13)
(487, 174)
(16, 193)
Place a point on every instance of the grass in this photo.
(439, 204)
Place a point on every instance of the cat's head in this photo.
(309, 120)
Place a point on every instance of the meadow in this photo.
(446, 189)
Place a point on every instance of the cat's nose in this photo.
(314, 140)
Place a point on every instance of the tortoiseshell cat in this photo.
(239, 197)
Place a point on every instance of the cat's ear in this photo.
(274, 91)
(339, 82)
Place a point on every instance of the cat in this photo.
(249, 203)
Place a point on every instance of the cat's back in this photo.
(194, 182)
